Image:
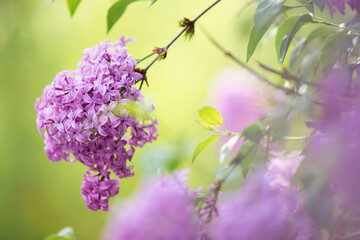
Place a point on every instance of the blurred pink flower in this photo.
(159, 211)
(241, 98)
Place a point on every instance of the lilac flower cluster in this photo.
(340, 5)
(254, 213)
(167, 210)
(334, 148)
(160, 211)
(96, 191)
(85, 113)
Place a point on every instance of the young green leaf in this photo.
(245, 156)
(265, 15)
(284, 29)
(152, 2)
(64, 234)
(211, 116)
(72, 5)
(227, 147)
(285, 43)
(204, 144)
(116, 11)
(253, 132)
(206, 126)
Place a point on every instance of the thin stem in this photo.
(322, 21)
(242, 64)
(296, 138)
(222, 180)
(182, 31)
(144, 58)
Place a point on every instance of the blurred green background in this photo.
(37, 41)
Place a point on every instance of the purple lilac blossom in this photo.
(76, 114)
(159, 211)
(254, 213)
(281, 168)
(97, 190)
(340, 5)
(335, 147)
(280, 171)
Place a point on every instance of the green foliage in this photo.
(211, 116)
(64, 234)
(318, 202)
(283, 30)
(333, 48)
(116, 11)
(72, 5)
(207, 126)
(245, 156)
(318, 32)
(227, 147)
(265, 15)
(152, 2)
(204, 144)
(285, 43)
(254, 132)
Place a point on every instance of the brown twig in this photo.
(242, 64)
(178, 35)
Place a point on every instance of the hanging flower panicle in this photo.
(96, 116)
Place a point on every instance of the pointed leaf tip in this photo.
(116, 11)
(204, 144)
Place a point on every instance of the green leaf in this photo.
(152, 2)
(116, 11)
(204, 144)
(66, 233)
(285, 43)
(211, 116)
(72, 5)
(309, 63)
(332, 48)
(284, 29)
(245, 156)
(265, 15)
(207, 126)
(317, 33)
(253, 132)
(227, 147)
(318, 202)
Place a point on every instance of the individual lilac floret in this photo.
(159, 211)
(95, 114)
(96, 191)
(254, 213)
